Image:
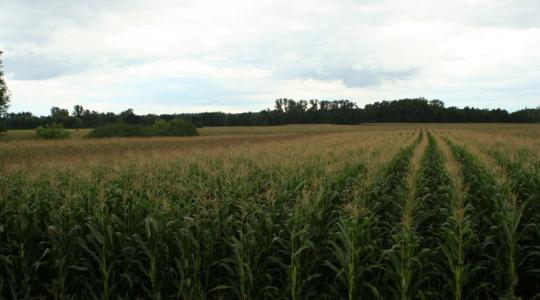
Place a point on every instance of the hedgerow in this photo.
(175, 127)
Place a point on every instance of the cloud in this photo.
(40, 67)
(240, 55)
(351, 77)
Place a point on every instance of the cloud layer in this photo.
(179, 56)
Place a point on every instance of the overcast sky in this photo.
(186, 56)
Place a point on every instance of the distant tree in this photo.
(57, 112)
(312, 111)
(23, 120)
(78, 111)
(129, 117)
(4, 97)
(4, 92)
(285, 111)
(527, 115)
(436, 103)
(280, 104)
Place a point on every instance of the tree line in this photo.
(288, 111)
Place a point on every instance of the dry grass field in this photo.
(376, 211)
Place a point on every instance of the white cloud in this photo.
(240, 55)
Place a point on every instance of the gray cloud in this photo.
(353, 78)
(36, 67)
(238, 52)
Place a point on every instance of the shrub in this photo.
(160, 125)
(181, 127)
(52, 131)
(3, 127)
(122, 130)
(176, 127)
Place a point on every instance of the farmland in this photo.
(402, 211)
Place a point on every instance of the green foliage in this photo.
(180, 127)
(3, 127)
(4, 91)
(176, 127)
(352, 255)
(161, 125)
(442, 221)
(400, 250)
(52, 131)
(525, 185)
(122, 130)
(289, 111)
(504, 234)
(57, 112)
(389, 189)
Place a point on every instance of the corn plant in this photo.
(384, 199)
(500, 224)
(519, 224)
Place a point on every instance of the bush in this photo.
(161, 125)
(122, 130)
(3, 127)
(176, 127)
(181, 127)
(52, 131)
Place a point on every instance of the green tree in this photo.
(78, 111)
(4, 97)
(4, 92)
(129, 117)
(59, 112)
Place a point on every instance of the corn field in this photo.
(373, 212)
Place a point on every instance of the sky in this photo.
(165, 56)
